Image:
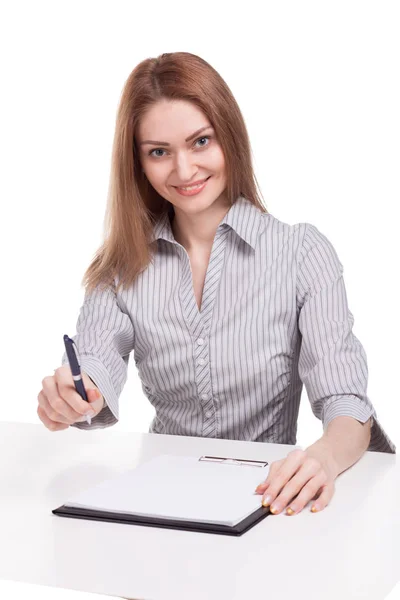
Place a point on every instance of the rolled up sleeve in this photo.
(104, 339)
(332, 361)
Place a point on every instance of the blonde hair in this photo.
(133, 205)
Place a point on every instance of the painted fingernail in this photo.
(290, 511)
(266, 501)
(315, 508)
(274, 508)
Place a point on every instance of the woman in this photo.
(228, 310)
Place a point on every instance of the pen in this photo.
(235, 461)
(76, 371)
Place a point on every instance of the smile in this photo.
(193, 189)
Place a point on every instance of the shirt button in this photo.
(201, 361)
(204, 396)
(200, 341)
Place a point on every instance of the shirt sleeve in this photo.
(332, 361)
(104, 339)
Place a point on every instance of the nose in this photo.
(185, 167)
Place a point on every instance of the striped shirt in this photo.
(274, 315)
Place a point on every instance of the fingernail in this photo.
(266, 501)
(89, 413)
(290, 511)
(315, 508)
(262, 486)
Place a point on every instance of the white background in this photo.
(318, 86)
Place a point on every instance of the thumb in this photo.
(95, 398)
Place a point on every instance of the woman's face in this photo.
(171, 161)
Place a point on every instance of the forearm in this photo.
(343, 443)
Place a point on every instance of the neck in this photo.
(197, 231)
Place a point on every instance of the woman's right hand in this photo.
(60, 405)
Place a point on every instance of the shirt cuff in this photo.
(95, 369)
(351, 406)
(105, 418)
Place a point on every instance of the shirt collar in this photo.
(243, 217)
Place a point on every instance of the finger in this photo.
(51, 425)
(288, 469)
(317, 494)
(298, 499)
(44, 401)
(54, 406)
(307, 492)
(67, 391)
(278, 496)
(273, 469)
(324, 497)
(48, 410)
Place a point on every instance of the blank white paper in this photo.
(181, 488)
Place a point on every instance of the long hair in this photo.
(133, 205)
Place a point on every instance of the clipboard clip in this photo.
(243, 462)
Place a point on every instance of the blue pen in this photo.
(76, 371)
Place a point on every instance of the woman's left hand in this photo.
(293, 481)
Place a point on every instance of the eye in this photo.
(204, 137)
(155, 150)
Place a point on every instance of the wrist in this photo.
(324, 453)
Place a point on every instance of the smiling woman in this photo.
(178, 125)
(228, 310)
(185, 169)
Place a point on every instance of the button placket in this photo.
(203, 376)
(199, 323)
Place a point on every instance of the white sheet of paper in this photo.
(179, 487)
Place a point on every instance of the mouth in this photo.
(198, 182)
(193, 191)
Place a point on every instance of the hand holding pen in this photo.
(76, 374)
(64, 397)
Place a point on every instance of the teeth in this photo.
(193, 187)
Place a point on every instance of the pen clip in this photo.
(234, 461)
(76, 353)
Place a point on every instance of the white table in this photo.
(351, 549)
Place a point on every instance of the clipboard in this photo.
(226, 502)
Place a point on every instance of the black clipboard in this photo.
(197, 526)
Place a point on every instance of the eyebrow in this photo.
(186, 140)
